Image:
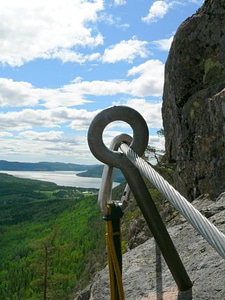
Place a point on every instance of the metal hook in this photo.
(117, 113)
(105, 191)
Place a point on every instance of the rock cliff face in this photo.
(194, 102)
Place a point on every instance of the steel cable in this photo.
(214, 237)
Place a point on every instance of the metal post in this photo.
(156, 225)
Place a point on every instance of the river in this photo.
(65, 178)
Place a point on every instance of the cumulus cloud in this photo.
(157, 11)
(111, 19)
(30, 118)
(150, 110)
(145, 79)
(125, 50)
(6, 134)
(19, 93)
(120, 2)
(67, 55)
(25, 119)
(34, 145)
(83, 119)
(50, 136)
(150, 79)
(41, 29)
(157, 142)
(164, 44)
(198, 2)
(160, 8)
(22, 138)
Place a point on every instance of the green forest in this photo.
(52, 239)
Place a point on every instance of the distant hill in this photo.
(89, 170)
(96, 171)
(42, 166)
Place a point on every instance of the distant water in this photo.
(65, 178)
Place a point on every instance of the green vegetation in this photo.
(52, 239)
(196, 105)
(214, 71)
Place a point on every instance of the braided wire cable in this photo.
(213, 236)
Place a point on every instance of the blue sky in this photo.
(62, 62)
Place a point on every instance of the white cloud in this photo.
(50, 136)
(160, 8)
(198, 2)
(164, 44)
(19, 93)
(6, 134)
(25, 119)
(157, 11)
(39, 29)
(150, 81)
(125, 50)
(110, 19)
(151, 111)
(157, 142)
(67, 55)
(120, 2)
(40, 146)
(56, 117)
(83, 119)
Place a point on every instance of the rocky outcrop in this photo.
(146, 276)
(194, 102)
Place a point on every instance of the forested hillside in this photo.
(97, 172)
(42, 166)
(49, 235)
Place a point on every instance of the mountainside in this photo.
(42, 166)
(97, 172)
(88, 170)
(52, 239)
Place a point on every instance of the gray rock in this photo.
(194, 102)
(146, 275)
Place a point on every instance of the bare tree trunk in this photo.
(45, 274)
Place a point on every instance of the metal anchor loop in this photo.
(117, 113)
